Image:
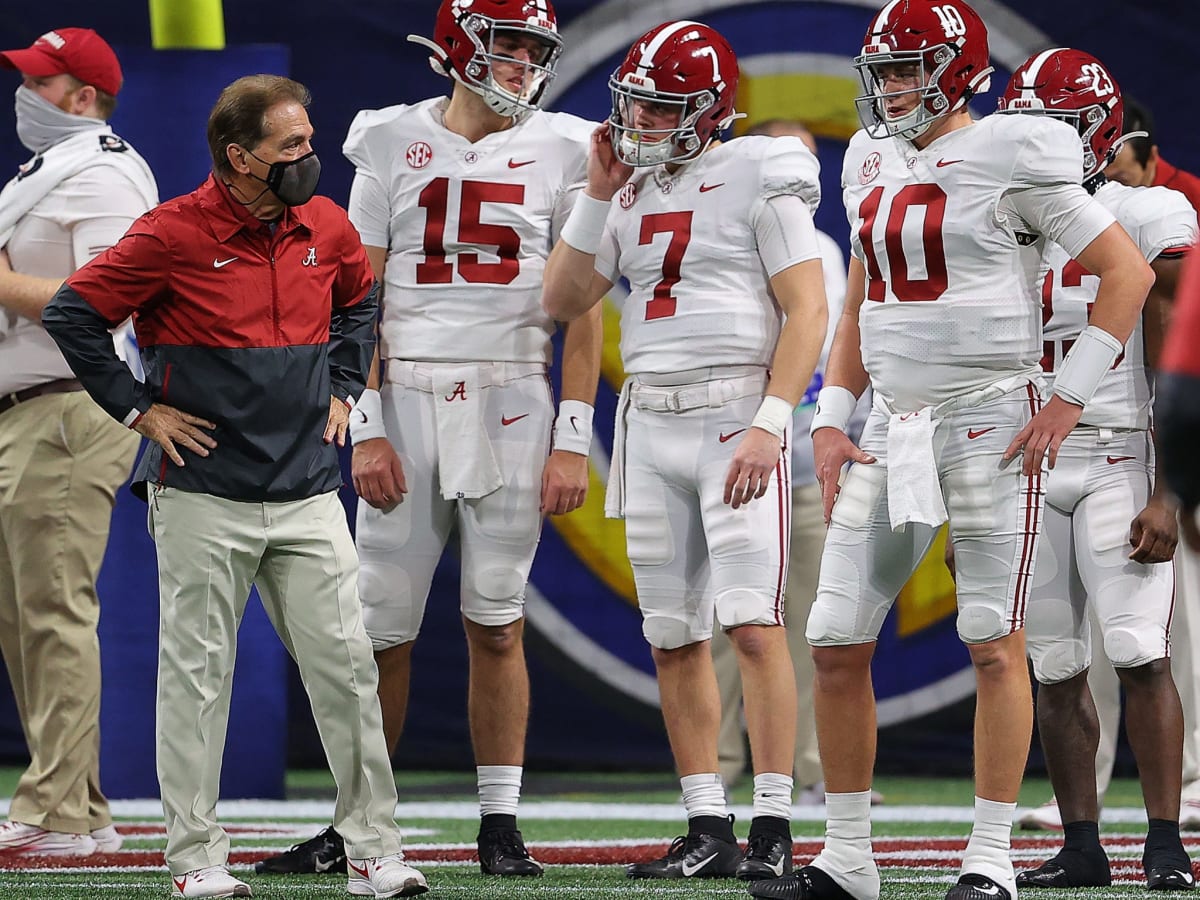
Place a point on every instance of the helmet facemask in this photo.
(932, 103)
(652, 147)
(485, 33)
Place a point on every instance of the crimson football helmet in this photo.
(682, 65)
(1073, 86)
(946, 41)
(464, 47)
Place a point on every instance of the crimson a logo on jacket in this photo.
(249, 326)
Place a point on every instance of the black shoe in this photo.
(502, 852)
(324, 853)
(1069, 869)
(694, 855)
(1167, 867)
(767, 856)
(977, 887)
(807, 883)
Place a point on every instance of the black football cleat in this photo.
(502, 852)
(694, 855)
(1069, 869)
(324, 853)
(806, 883)
(1168, 868)
(977, 887)
(767, 856)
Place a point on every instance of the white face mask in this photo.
(41, 124)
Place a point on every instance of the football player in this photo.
(948, 217)
(1092, 557)
(458, 202)
(718, 243)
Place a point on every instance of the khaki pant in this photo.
(808, 537)
(62, 460)
(300, 555)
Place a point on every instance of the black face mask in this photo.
(293, 181)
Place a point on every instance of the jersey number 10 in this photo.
(932, 200)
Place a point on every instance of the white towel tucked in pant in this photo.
(914, 492)
(466, 463)
(614, 494)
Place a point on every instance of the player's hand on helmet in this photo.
(377, 474)
(606, 174)
(1154, 532)
(168, 427)
(564, 482)
(754, 460)
(832, 449)
(1043, 434)
(338, 422)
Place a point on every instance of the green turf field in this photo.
(583, 827)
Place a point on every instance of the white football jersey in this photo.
(467, 226)
(699, 290)
(1158, 219)
(951, 237)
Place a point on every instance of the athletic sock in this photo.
(499, 789)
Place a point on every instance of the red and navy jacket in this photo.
(250, 326)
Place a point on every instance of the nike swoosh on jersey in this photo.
(972, 433)
(217, 263)
(507, 421)
(689, 871)
(705, 188)
(513, 164)
(942, 163)
(1113, 460)
(724, 437)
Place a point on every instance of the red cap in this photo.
(74, 51)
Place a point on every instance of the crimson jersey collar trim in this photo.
(228, 217)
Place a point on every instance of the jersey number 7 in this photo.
(679, 226)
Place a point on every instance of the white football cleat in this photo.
(30, 840)
(1189, 815)
(384, 876)
(211, 881)
(108, 839)
(1044, 818)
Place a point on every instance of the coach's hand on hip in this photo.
(168, 426)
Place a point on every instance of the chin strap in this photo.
(1096, 182)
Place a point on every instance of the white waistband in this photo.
(419, 375)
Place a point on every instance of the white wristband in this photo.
(835, 406)
(585, 226)
(366, 418)
(1088, 362)
(573, 427)
(773, 415)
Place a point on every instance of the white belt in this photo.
(419, 375)
(992, 391)
(707, 394)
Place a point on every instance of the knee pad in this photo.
(1062, 661)
(390, 614)
(739, 606)
(667, 633)
(498, 582)
(978, 625)
(1125, 649)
